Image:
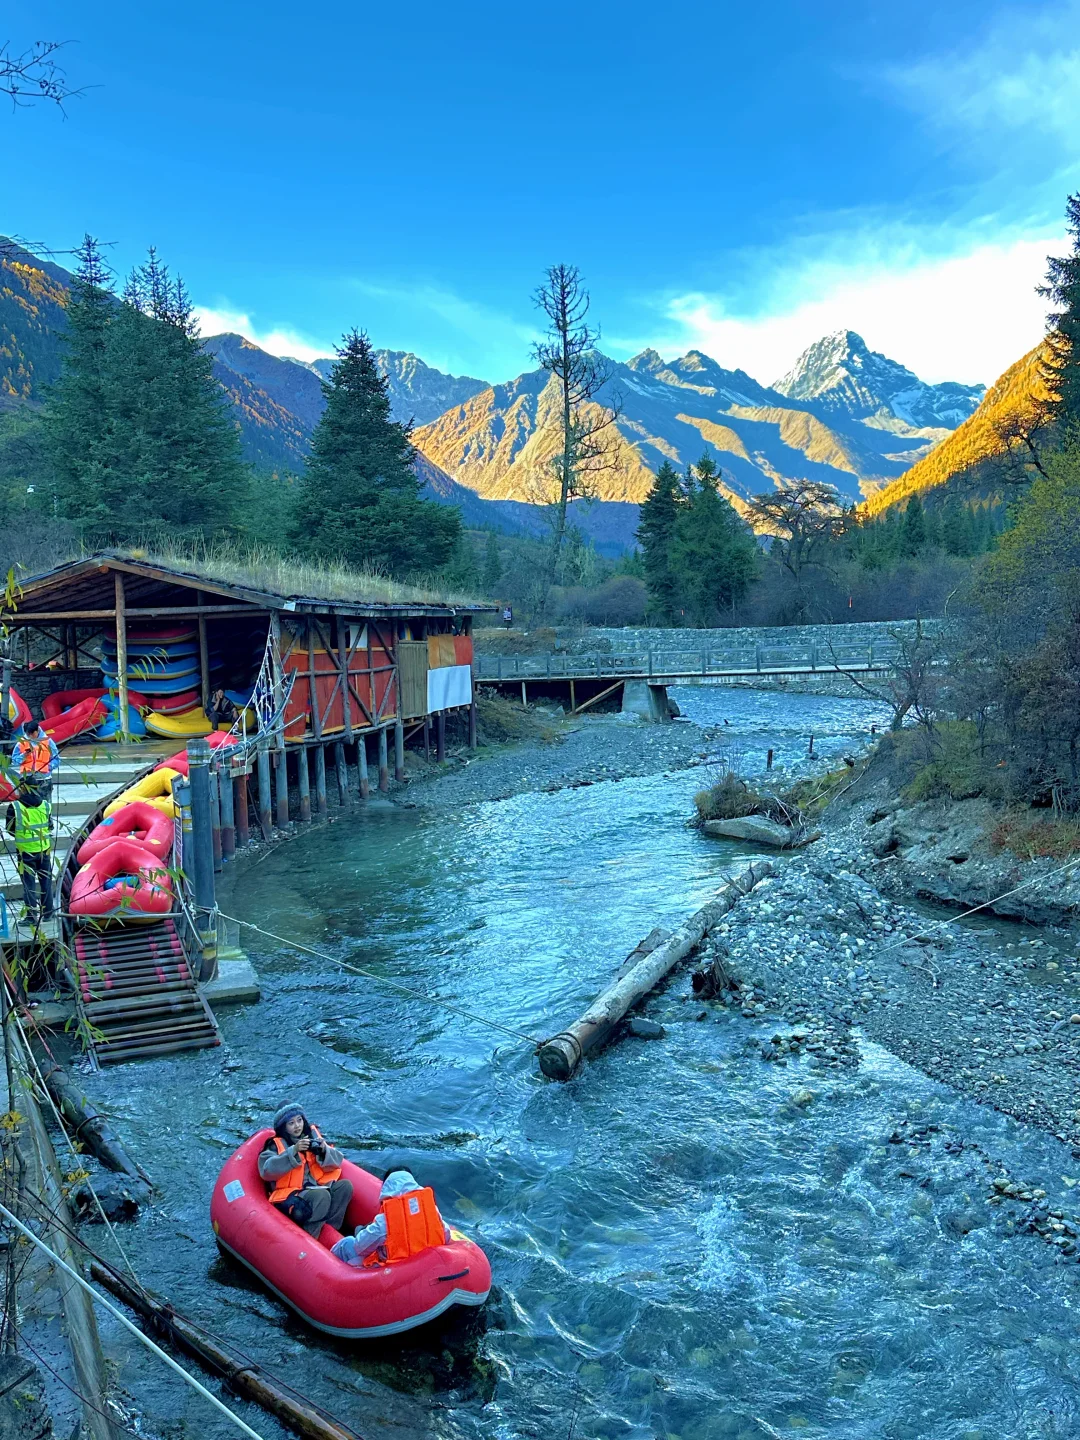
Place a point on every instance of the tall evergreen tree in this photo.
(913, 533)
(76, 418)
(141, 441)
(1062, 289)
(714, 553)
(492, 565)
(359, 498)
(656, 535)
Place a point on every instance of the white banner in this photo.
(448, 687)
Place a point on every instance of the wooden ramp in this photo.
(137, 994)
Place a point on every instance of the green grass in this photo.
(289, 576)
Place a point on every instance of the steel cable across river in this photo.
(677, 1249)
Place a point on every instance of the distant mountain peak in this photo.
(840, 373)
(649, 359)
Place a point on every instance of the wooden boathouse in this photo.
(348, 671)
(336, 680)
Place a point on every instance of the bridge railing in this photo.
(667, 664)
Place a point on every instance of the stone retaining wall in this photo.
(622, 641)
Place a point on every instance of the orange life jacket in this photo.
(35, 757)
(413, 1224)
(294, 1180)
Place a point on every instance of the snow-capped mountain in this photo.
(843, 375)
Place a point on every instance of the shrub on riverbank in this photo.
(729, 799)
(499, 721)
(1036, 837)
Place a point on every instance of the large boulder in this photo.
(759, 831)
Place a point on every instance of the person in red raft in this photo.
(303, 1173)
(406, 1222)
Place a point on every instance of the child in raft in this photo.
(405, 1226)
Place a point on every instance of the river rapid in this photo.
(679, 1250)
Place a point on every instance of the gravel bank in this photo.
(601, 747)
(987, 1008)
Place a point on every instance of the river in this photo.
(678, 1250)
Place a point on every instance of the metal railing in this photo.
(685, 664)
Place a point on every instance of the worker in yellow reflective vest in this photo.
(29, 823)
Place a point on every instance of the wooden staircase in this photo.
(137, 994)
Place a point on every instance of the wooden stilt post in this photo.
(399, 751)
(243, 822)
(342, 773)
(472, 724)
(215, 818)
(361, 755)
(204, 659)
(303, 783)
(440, 736)
(202, 853)
(226, 799)
(281, 769)
(320, 781)
(427, 737)
(121, 656)
(384, 767)
(265, 802)
(281, 788)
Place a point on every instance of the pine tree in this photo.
(492, 566)
(913, 536)
(76, 416)
(1062, 288)
(714, 553)
(359, 498)
(656, 534)
(141, 441)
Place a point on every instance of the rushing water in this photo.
(678, 1250)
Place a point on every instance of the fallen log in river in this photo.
(563, 1053)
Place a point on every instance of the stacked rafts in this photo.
(163, 668)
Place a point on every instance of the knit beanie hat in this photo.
(287, 1113)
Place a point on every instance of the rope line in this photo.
(383, 980)
(129, 1325)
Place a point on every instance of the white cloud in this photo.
(963, 317)
(279, 341)
(1021, 80)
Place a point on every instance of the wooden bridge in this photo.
(598, 676)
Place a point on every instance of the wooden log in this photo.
(87, 1126)
(244, 1377)
(303, 784)
(88, 1361)
(563, 1053)
(440, 736)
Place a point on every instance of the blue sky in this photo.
(742, 178)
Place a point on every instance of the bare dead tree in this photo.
(568, 352)
(913, 683)
(34, 75)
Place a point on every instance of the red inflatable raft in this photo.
(341, 1299)
(123, 881)
(138, 821)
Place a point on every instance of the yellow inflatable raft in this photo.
(155, 789)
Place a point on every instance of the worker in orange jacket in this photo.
(35, 758)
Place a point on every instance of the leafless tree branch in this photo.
(34, 75)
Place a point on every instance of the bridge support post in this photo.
(303, 783)
(640, 697)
